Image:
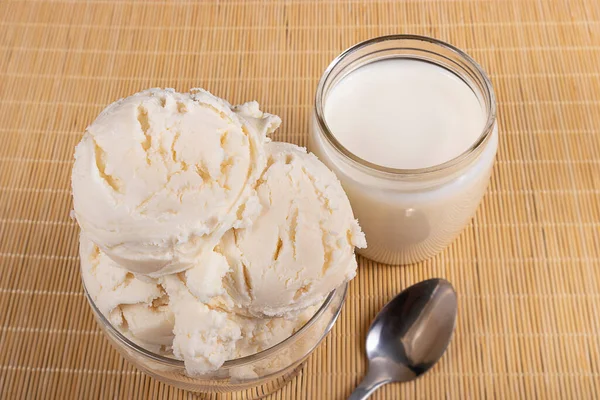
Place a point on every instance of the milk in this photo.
(406, 114)
(403, 113)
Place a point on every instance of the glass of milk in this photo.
(408, 124)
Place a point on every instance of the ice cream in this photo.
(137, 306)
(164, 316)
(160, 176)
(301, 246)
(201, 239)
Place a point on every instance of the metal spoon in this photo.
(409, 335)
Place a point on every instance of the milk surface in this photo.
(404, 113)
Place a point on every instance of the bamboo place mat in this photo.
(526, 269)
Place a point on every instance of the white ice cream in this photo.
(199, 239)
(165, 316)
(132, 304)
(301, 247)
(160, 176)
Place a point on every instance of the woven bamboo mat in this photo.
(526, 269)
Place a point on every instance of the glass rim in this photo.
(490, 109)
(236, 362)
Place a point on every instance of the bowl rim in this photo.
(236, 362)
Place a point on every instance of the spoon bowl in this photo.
(409, 335)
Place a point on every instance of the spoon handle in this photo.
(368, 385)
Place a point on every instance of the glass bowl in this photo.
(260, 374)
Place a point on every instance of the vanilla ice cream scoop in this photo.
(165, 315)
(302, 244)
(205, 336)
(159, 176)
(137, 306)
